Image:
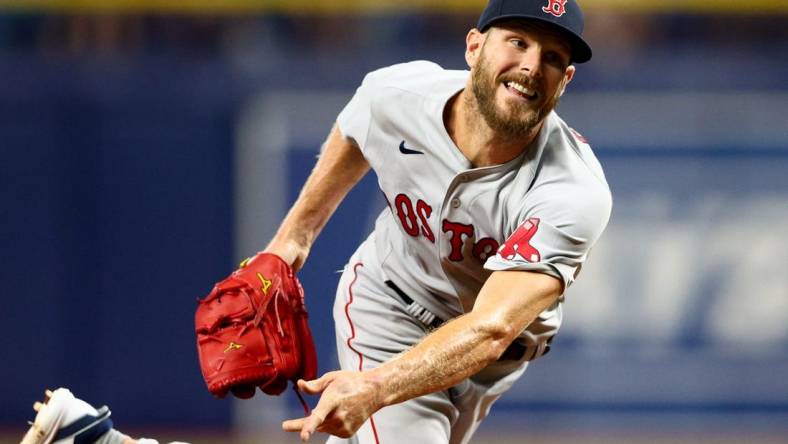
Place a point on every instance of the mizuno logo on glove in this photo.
(266, 283)
(232, 346)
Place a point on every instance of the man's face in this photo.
(518, 76)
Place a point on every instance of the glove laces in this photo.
(301, 399)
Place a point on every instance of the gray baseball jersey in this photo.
(449, 225)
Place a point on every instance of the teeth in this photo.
(521, 89)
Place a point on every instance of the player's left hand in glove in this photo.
(252, 330)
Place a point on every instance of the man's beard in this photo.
(520, 120)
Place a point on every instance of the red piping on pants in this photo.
(353, 336)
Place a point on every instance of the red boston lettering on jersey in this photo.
(519, 243)
(424, 211)
(485, 248)
(407, 216)
(555, 7)
(458, 230)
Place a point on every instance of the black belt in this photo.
(407, 300)
(514, 352)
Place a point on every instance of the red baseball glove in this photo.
(252, 330)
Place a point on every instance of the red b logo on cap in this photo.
(555, 7)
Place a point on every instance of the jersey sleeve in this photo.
(554, 236)
(378, 95)
(355, 119)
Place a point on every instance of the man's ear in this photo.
(569, 74)
(473, 46)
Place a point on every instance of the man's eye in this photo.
(518, 43)
(553, 58)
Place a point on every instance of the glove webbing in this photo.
(259, 317)
(260, 310)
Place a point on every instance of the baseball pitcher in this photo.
(494, 203)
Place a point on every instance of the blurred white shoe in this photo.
(65, 419)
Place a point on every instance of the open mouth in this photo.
(520, 90)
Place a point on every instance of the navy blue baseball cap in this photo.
(565, 15)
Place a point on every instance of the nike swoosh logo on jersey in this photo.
(405, 150)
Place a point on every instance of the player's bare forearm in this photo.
(340, 166)
(507, 304)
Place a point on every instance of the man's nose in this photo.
(532, 61)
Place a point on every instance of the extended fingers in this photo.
(316, 386)
(293, 425)
(306, 426)
(330, 415)
(310, 425)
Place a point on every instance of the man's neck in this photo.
(473, 136)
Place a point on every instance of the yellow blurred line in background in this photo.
(371, 6)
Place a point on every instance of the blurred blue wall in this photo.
(115, 186)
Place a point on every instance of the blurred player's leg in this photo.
(62, 418)
(65, 419)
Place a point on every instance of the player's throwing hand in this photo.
(348, 399)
